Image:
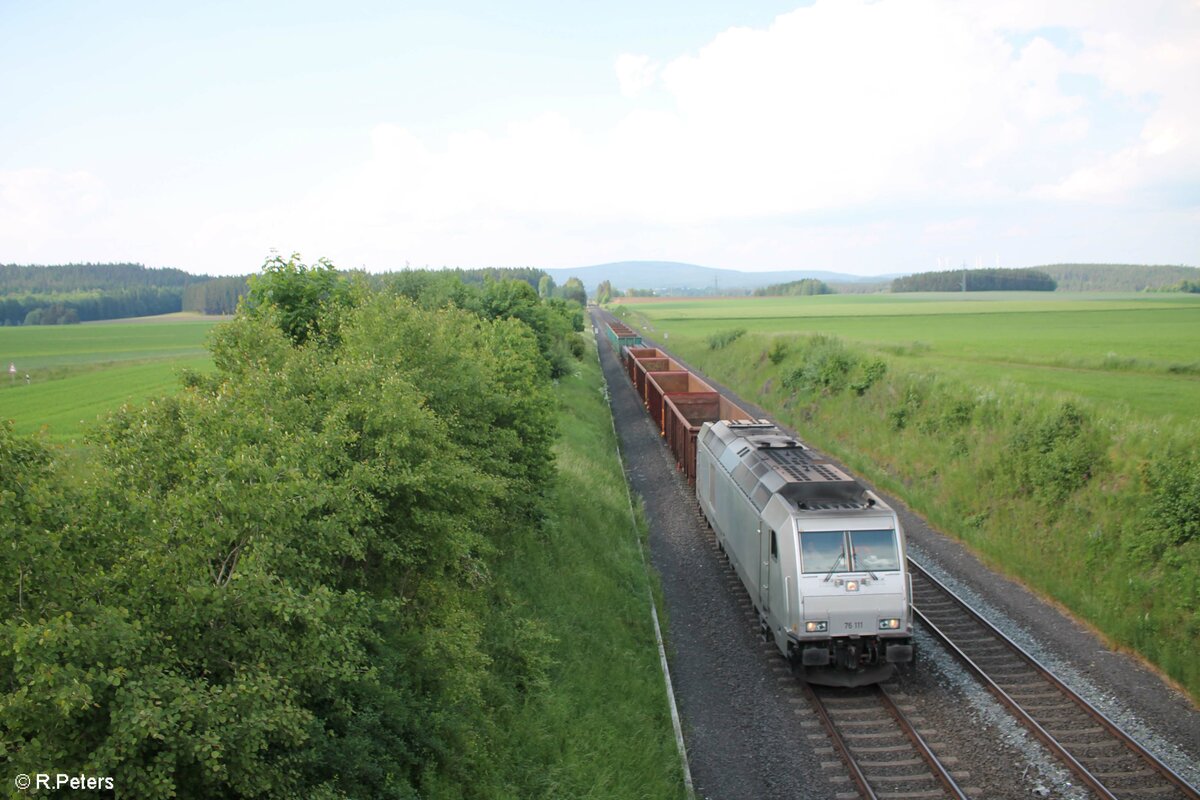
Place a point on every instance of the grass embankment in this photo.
(1094, 504)
(77, 372)
(602, 726)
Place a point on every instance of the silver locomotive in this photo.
(822, 558)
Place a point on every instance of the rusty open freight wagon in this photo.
(670, 382)
(630, 356)
(684, 413)
(646, 366)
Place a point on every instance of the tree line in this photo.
(276, 583)
(62, 308)
(1119, 277)
(215, 296)
(976, 280)
(38, 279)
(802, 287)
(606, 292)
(68, 293)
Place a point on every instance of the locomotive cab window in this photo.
(874, 550)
(823, 551)
(826, 551)
(774, 547)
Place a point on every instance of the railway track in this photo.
(884, 753)
(1103, 757)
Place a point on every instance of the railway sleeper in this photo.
(920, 777)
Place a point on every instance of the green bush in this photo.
(1054, 457)
(825, 367)
(872, 373)
(1174, 486)
(722, 339)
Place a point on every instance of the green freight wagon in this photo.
(621, 335)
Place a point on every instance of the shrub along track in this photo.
(740, 743)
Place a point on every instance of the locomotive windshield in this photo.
(826, 551)
(874, 550)
(823, 551)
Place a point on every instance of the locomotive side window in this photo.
(874, 550)
(823, 551)
(774, 547)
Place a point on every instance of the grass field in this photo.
(1141, 351)
(79, 371)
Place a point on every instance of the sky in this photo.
(858, 137)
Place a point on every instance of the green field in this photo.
(1141, 351)
(77, 372)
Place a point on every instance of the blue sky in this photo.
(861, 137)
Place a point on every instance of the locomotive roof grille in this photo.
(809, 482)
(816, 506)
(799, 465)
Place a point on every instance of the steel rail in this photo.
(839, 744)
(1025, 717)
(922, 747)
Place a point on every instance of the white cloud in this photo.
(635, 73)
(834, 108)
(846, 109)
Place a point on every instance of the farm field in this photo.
(1135, 350)
(77, 372)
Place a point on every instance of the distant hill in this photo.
(673, 275)
(1117, 277)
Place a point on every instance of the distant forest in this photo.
(977, 280)
(70, 293)
(216, 295)
(1119, 277)
(804, 286)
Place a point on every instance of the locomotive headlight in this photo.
(816, 627)
(889, 624)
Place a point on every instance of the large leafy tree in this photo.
(276, 583)
(303, 300)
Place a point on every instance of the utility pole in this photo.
(964, 281)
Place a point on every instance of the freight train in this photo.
(822, 557)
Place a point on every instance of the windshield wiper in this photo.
(836, 561)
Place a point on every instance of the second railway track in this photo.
(1102, 756)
